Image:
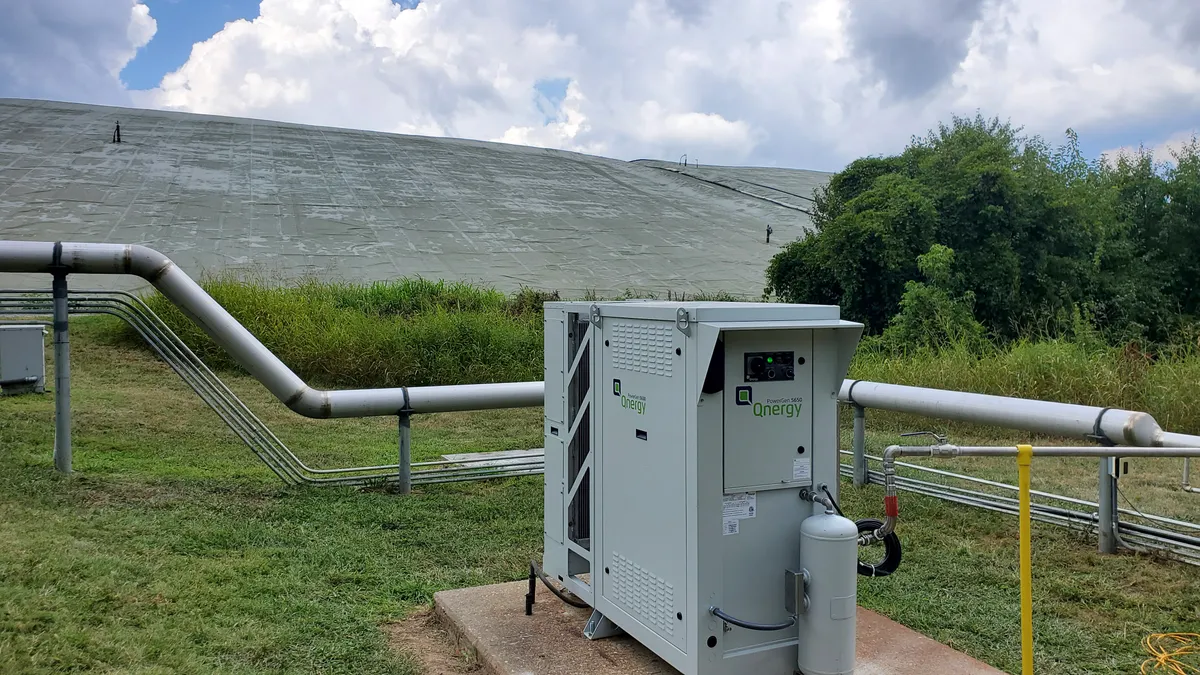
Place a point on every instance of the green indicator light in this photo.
(770, 359)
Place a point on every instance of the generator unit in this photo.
(689, 448)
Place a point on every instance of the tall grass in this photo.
(407, 332)
(1087, 373)
(420, 332)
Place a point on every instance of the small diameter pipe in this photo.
(890, 499)
(1005, 486)
(1187, 476)
(818, 498)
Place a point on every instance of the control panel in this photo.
(767, 366)
(769, 416)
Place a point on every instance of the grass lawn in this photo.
(172, 549)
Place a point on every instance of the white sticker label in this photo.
(802, 470)
(741, 505)
(729, 526)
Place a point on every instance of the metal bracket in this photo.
(1098, 434)
(683, 321)
(596, 315)
(796, 591)
(599, 627)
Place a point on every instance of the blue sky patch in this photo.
(181, 24)
(551, 93)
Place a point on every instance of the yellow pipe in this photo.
(1024, 459)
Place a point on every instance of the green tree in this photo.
(1026, 223)
(930, 315)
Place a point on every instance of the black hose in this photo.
(891, 545)
(891, 551)
(833, 501)
(561, 595)
(750, 625)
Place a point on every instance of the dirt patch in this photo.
(422, 638)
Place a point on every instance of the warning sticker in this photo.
(802, 470)
(741, 505)
(729, 526)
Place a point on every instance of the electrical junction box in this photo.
(22, 359)
(679, 436)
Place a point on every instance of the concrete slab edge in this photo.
(461, 639)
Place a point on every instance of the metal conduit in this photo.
(169, 352)
(1184, 548)
(1091, 515)
(240, 419)
(877, 476)
(1189, 544)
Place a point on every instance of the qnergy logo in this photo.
(631, 401)
(634, 403)
(779, 408)
(745, 396)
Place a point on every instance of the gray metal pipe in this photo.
(246, 350)
(860, 446)
(404, 465)
(894, 452)
(62, 377)
(1122, 427)
(1107, 497)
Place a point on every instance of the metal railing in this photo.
(234, 412)
(1113, 526)
(1024, 455)
(1154, 532)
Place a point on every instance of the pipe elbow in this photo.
(888, 527)
(892, 452)
(310, 402)
(146, 263)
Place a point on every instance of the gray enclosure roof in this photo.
(216, 193)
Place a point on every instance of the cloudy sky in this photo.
(799, 83)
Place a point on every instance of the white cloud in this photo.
(1162, 151)
(568, 124)
(810, 83)
(70, 50)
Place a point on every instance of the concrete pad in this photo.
(491, 621)
(497, 458)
